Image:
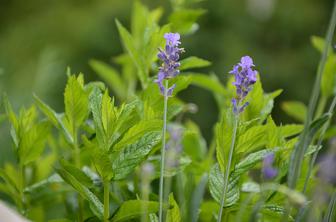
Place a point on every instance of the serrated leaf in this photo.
(111, 77)
(83, 191)
(33, 142)
(193, 62)
(132, 209)
(295, 109)
(105, 116)
(173, 214)
(216, 184)
(137, 131)
(132, 155)
(76, 102)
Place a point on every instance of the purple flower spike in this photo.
(268, 171)
(169, 58)
(245, 77)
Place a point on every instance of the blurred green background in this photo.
(40, 38)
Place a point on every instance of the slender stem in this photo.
(321, 106)
(22, 204)
(228, 166)
(319, 142)
(329, 215)
(106, 200)
(163, 149)
(299, 151)
(76, 156)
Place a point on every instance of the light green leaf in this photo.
(132, 155)
(132, 209)
(319, 43)
(77, 173)
(130, 46)
(33, 142)
(76, 103)
(224, 133)
(183, 21)
(173, 214)
(83, 191)
(328, 80)
(137, 131)
(295, 109)
(209, 82)
(55, 118)
(193, 62)
(111, 77)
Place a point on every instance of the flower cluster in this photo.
(245, 77)
(268, 171)
(169, 58)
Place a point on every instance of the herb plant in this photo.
(124, 150)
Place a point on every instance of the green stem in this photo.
(321, 106)
(300, 148)
(22, 204)
(76, 156)
(106, 200)
(228, 166)
(319, 142)
(163, 150)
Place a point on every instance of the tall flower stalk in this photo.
(169, 69)
(245, 77)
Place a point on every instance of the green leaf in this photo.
(77, 173)
(328, 80)
(33, 142)
(251, 139)
(104, 116)
(137, 131)
(132, 155)
(295, 109)
(54, 178)
(171, 171)
(132, 209)
(224, 134)
(83, 191)
(173, 214)
(131, 49)
(216, 186)
(193, 62)
(209, 82)
(111, 77)
(301, 147)
(319, 43)
(76, 102)
(183, 20)
(55, 118)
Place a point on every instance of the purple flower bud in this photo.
(245, 77)
(169, 58)
(268, 171)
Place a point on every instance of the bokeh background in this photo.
(40, 38)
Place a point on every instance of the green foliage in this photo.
(101, 161)
(132, 209)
